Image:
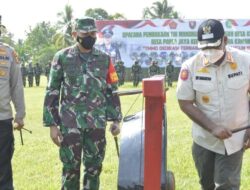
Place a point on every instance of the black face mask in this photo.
(86, 42)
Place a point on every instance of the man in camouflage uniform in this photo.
(30, 73)
(24, 74)
(47, 70)
(153, 69)
(86, 78)
(120, 70)
(169, 72)
(11, 91)
(136, 73)
(37, 72)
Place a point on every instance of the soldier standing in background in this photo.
(153, 69)
(30, 75)
(169, 73)
(78, 103)
(120, 70)
(136, 73)
(38, 72)
(24, 74)
(123, 73)
(47, 70)
(11, 91)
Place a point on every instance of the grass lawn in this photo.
(36, 165)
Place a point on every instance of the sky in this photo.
(19, 15)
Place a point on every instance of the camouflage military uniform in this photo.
(30, 73)
(37, 72)
(170, 74)
(120, 70)
(136, 73)
(24, 74)
(86, 103)
(153, 69)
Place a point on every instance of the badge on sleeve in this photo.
(112, 75)
(184, 74)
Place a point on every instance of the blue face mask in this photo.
(86, 42)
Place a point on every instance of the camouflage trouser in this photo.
(136, 80)
(89, 142)
(30, 79)
(24, 81)
(170, 79)
(37, 78)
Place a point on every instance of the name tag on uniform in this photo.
(234, 74)
(203, 78)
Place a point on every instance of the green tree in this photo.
(97, 13)
(101, 14)
(21, 51)
(159, 10)
(39, 42)
(6, 37)
(117, 16)
(63, 37)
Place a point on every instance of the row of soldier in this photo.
(32, 72)
(136, 72)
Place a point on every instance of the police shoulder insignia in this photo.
(3, 51)
(184, 74)
(2, 73)
(15, 57)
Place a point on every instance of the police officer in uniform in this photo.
(30, 75)
(213, 90)
(11, 91)
(37, 72)
(24, 74)
(82, 79)
(136, 73)
(169, 72)
(153, 69)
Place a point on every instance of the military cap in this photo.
(85, 24)
(210, 33)
(107, 33)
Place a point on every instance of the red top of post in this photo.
(154, 93)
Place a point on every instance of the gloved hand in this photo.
(115, 128)
(18, 124)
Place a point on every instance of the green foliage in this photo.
(117, 16)
(159, 10)
(7, 38)
(39, 43)
(97, 13)
(63, 37)
(101, 14)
